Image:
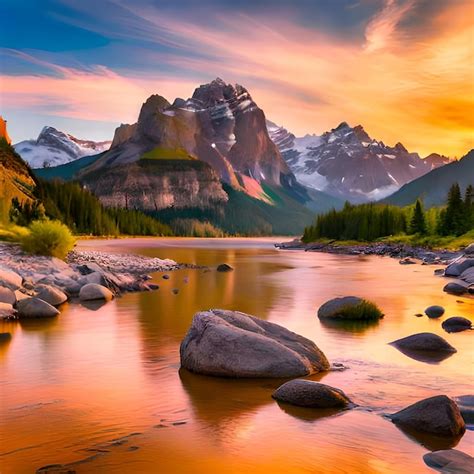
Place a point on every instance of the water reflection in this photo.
(428, 357)
(433, 443)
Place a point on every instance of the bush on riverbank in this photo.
(49, 238)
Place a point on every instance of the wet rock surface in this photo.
(450, 461)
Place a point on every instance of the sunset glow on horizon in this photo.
(404, 69)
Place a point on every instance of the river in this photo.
(101, 388)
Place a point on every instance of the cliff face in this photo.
(3, 130)
(152, 185)
(219, 125)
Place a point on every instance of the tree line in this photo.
(371, 221)
(82, 212)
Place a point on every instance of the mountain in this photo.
(433, 187)
(16, 180)
(436, 160)
(346, 162)
(53, 148)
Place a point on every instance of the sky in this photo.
(404, 69)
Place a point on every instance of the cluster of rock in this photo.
(405, 253)
(35, 286)
(462, 269)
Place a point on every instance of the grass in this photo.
(12, 233)
(364, 311)
(161, 153)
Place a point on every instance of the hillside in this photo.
(433, 187)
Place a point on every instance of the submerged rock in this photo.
(424, 341)
(456, 324)
(51, 295)
(434, 311)
(450, 461)
(306, 393)
(7, 296)
(349, 308)
(224, 267)
(92, 291)
(234, 344)
(35, 308)
(437, 415)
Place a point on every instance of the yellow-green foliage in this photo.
(50, 238)
(365, 310)
(161, 153)
(12, 233)
(195, 228)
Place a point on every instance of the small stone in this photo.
(456, 324)
(434, 311)
(224, 267)
(165, 277)
(175, 291)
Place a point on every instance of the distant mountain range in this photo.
(433, 187)
(54, 148)
(346, 162)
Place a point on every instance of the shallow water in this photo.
(102, 388)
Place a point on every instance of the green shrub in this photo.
(50, 238)
(365, 310)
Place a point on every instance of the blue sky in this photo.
(86, 66)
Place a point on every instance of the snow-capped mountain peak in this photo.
(54, 147)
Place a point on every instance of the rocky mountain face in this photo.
(433, 187)
(435, 160)
(16, 180)
(3, 130)
(219, 125)
(54, 148)
(346, 162)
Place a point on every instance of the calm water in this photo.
(103, 388)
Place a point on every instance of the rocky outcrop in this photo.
(234, 344)
(3, 130)
(450, 461)
(349, 308)
(306, 393)
(35, 308)
(460, 265)
(437, 415)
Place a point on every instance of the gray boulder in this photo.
(93, 291)
(457, 287)
(434, 311)
(450, 461)
(459, 266)
(437, 415)
(35, 308)
(468, 276)
(305, 393)
(465, 404)
(51, 295)
(234, 344)
(7, 296)
(224, 267)
(469, 250)
(349, 308)
(424, 341)
(456, 324)
(10, 279)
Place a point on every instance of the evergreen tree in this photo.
(418, 222)
(454, 218)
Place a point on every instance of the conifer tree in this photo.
(418, 221)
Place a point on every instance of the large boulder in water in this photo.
(93, 291)
(7, 296)
(349, 308)
(234, 344)
(306, 393)
(450, 461)
(457, 287)
(456, 324)
(35, 308)
(459, 266)
(434, 311)
(51, 295)
(437, 415)
(10, 279)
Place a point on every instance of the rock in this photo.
(465, 404)
(456, 288)
(305, 393)
(456, 324)
(437, 415)
(94, 277)
(234, 344)
(51, 295)
(349, 307)
(165, 277)
(92, 291)
(439, 271)
(7, 295)
(424, 341)
(21, 296)
(5, 337)
(450, 461)
(459, 266)
(469, 250)
(153, 286)
(418, 315)
(224, 267)
(175, 291)
(407, 261)
(467, 276)
(10, 279)
(434, 311)
(6, 310)
(35, 308)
